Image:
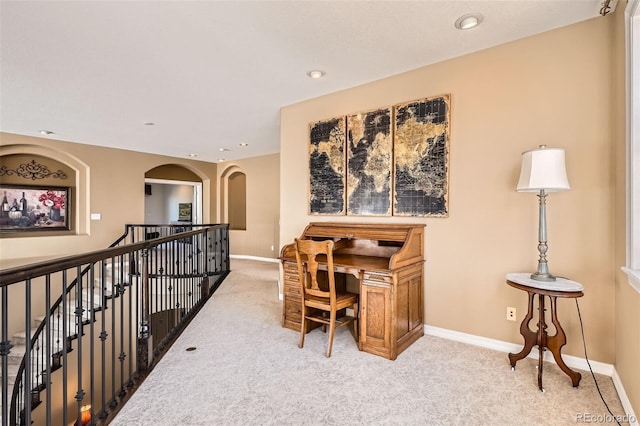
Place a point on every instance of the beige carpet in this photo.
(248, 370)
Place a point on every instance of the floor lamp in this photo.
(543, 170)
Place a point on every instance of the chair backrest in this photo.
(308, 254)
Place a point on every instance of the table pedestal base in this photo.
(541, 338)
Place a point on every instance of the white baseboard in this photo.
(624, 398)
(262, 259)
(571, 361)
(498, 345)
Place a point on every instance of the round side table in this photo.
(561, 287)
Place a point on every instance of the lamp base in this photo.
(542, 277)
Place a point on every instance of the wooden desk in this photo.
(388, 261)
(559, 288)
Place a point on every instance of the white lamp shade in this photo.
(543, 168)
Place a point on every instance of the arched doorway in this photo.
(173, 194)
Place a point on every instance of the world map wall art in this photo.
(388, 161)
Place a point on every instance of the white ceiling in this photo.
(214, 74)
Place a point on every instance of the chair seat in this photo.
(343, 300)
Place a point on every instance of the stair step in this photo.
(14, 361)
(12, 373)
(86, 316)
(108, 289)
(16, 354)
(112, 272)
(86, 299)
(20, 337)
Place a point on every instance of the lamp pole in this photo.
(542, 274)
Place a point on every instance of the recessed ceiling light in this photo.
(149, 123)
(193, 155)
(220, 160)
(468, 21)
(223, 149)
(45, 132)
(315, 74)
(244, 144)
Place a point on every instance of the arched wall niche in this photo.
(78, 180)
(236, 200)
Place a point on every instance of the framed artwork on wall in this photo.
(421, 157)
(369, 163)
(184, 212)
(327, 167)
(384, 162)
(27, 208)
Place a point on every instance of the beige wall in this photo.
(553, 89)
(111, 183)
(627, 300)
(263, 202)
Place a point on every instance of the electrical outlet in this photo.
(511, 314)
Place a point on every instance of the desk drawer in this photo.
(292, 309)
(371, 278)
(290, 267)
(291, 312)
(290, 271)
(291, 279)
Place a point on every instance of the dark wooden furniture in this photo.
(388, 261)
(559, 288)
(321, 303)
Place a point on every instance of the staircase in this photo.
(62, 333)
(102, 306)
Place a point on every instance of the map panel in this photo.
(369, 163)
(421, 150)
(327, 167)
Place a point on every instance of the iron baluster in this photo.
(144, 334)
(5, 350)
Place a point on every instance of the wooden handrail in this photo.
(14, 275)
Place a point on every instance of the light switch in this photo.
(96, 216)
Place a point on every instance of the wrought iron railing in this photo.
(102, 320)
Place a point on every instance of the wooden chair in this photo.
(320, 299)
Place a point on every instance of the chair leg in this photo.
(356, 322)
(332, 329)
(303, 328)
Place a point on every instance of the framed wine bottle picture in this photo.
(34, 208)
